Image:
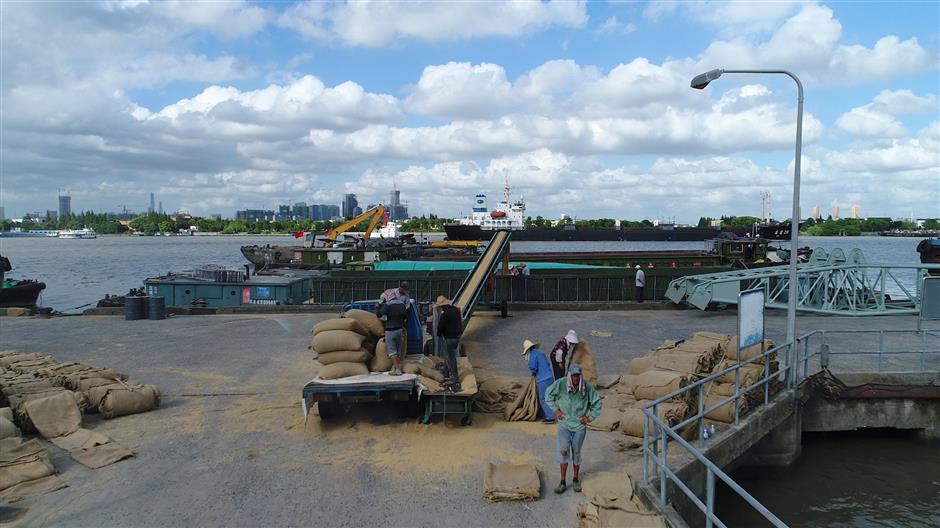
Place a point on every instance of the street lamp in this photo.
(701, 81)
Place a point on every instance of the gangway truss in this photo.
(830, 282)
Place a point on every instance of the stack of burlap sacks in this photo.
(30, 376)
(352, 345)
(676, 364)
(48, 397)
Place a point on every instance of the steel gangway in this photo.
(830, 282)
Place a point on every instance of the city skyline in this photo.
(586, 107)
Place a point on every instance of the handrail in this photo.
(657, 433)
(712, 470)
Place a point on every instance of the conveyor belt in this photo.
(469, 292)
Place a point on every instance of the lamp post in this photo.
(701, 81)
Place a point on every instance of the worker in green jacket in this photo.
(575, 403)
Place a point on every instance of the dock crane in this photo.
(374, 216)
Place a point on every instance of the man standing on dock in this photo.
(575, 403)
(396, 313)
(640, 283)
(449, 327)
(400, 293)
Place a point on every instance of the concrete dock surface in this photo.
(228, 445)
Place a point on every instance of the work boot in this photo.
(395, 371)
(561, 487)
(576, 485)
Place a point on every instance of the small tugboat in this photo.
(17, 293)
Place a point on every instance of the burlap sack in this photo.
(608, 489)
(641, 364)
(336, 340)
(654, 384)
(430, 384)
(73, 380)
(368, 320)
(7, 429)
(609, 419)
(96, 394)
(594, 516)
(731, 352)
(129, 400)
(55, 415)
(525, 408)
(631, 422)
(627, 385)
(749, 374)
(32, 488)
(468, 385)
(725, 413)
(582, 356)
(380, 362)
(22, 462)
(349, 324)
(682, 362)
(343, 370)
(7, 413)
(87, 383)
(503, 482)
(349, 356)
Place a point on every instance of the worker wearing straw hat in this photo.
(449, 328)
(542, 371)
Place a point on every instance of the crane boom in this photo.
(375, 214)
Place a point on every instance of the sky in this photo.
(586, 108)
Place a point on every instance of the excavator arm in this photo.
(374, 216)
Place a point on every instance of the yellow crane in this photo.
(375, 214)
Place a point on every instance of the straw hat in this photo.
(571, 337)
(442, 301)
(526, 345)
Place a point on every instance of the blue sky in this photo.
(218, 106)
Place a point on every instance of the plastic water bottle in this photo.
(711, 430)
(705, 434)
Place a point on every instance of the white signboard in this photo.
(750, 318)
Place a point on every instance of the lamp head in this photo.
(701, 80)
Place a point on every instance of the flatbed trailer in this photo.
(333, 396)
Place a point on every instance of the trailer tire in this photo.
(330, 410)
(504, 309)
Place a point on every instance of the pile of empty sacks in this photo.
(41, 395)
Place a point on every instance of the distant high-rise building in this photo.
(396, 211)
(151, 209)
(253, 215)
(65, 205)
(855, 211)
(321, 212)
(160, 210)
(835, 212)
(350, 204)
(815, 212)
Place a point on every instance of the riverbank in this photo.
(229, 445)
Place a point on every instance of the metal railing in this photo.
(657, 433)
(573, 288)
(897, 351)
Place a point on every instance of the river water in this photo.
(860, 479)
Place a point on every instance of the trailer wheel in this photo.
(466, 420)
(504, 309)
(330, 410)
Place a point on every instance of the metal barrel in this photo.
(135, 307)
(156, 308)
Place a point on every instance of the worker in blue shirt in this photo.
(542, 371)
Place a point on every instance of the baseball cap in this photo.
(574, 369)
